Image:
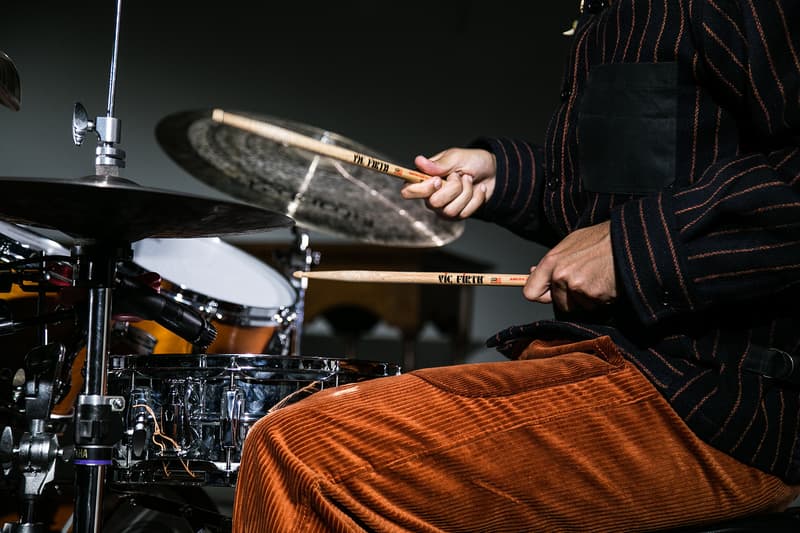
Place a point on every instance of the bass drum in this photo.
(249, 303)
(188, 415)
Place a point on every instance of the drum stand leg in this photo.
(98, 420)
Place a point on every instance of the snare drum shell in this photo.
(230, 339)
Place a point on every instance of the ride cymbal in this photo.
(318, 192)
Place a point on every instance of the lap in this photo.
(577, 429)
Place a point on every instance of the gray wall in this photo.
(403, 78)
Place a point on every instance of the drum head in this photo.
(215, 269)
(18, 242)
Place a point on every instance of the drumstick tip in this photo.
(299, 274)
(218, 115)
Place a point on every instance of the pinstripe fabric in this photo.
(709, 266)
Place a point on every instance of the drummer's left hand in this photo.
(576, 273)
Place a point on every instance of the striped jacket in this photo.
(680, 122)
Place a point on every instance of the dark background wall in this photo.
(403, 77)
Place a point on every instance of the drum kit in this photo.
(139, 353)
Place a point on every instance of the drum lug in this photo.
(231, 417)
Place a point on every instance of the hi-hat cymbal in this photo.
(9, 83)
(318, 192)
(112, 209)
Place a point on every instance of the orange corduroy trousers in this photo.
(572, 438)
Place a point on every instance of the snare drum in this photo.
(187, 415)
(245, 299)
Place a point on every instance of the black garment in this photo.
(681, 124)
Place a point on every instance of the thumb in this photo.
(432, 167)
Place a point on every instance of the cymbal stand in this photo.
(301, 257)
(108, 158)
(98, 417)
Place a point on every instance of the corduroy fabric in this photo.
(573, 438)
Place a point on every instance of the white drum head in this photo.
(26, 239)
(215, 269)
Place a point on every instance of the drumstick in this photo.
(435, 278)
(282, 135)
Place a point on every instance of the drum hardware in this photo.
(132, 297)
(106, 213)
(287, 336)
(127, 338)
(146, 512)
(34, 264)
(231, 414)
(299, 257)
(202, 407)
(101, 247)
(8, 325)
(39, 448)
(109, 159)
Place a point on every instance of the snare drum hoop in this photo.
(298, 372)
(226, 312)
(217, 365)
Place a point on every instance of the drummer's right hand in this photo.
(469, 176)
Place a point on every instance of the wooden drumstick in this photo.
(434, 278)
(282, 135)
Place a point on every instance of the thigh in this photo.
(577, 440)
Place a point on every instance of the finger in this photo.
(454, 208)
(450, 190)
(477, 200)
(422, 189)
(538, 284)
(546, 297)
(538, 281)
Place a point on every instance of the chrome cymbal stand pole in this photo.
(98, 417)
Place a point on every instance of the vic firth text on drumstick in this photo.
(434, 278)
(292, 138)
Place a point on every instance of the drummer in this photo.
(662, 394)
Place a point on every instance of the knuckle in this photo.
(437, 201)
(451, 210)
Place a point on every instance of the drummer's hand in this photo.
(576, 273)
(469, 175)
